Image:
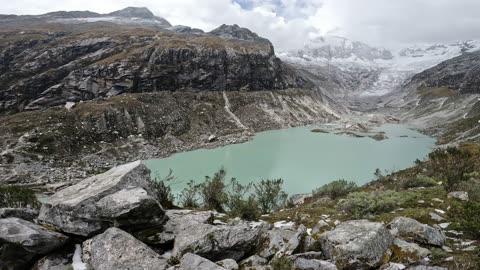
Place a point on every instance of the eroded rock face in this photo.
(116, 249)
(357, 244)
(51, 67)
(411, 229)
(218, 242)
(118, 197)
(21, 241)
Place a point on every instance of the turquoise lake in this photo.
(305, 160)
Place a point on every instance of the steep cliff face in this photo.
(42, 68)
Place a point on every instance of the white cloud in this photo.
(288, 23)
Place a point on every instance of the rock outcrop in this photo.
(218, 242)
(411, 229)
(116, 249)
(21, 241)
(357, 244)
(119, 197)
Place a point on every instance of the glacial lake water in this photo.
(305, 160)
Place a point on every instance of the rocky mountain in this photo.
(104, 93)
(446, 96)
(137, 16)
(43, 68)
(334, 47)
(363, 76)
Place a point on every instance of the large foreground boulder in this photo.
(218, 242)
(357, 244)
(21, 241)
(409, 228)
(116, 249)
(121, 196)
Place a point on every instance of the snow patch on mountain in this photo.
(378, 71)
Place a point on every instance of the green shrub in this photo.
(189, 196)
(472, 187)
(335, 189)
(247, 209)
(212, 191)
(162, 192)
(362, 204)
(281, 263)
(419, 181)
(269, 195)
(239, 202)
(17, 197)
(452, 165)
(466, 216)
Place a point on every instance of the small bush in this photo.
(269, 195)
(419, 181)
(362, 204)
(17, 197)
(162, 192)
(281, 263)
(239, 203)
(212, 191)
(189, 196)
(453, 165)
(335, 189)
(472, 187)
(466, 216)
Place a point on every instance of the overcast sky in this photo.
(288, 23)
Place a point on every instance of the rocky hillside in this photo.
(88, 226)
(83, 90)
(48, 62)
(444, 94)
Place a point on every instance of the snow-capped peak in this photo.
(335, 47)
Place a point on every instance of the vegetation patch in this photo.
(17, 197)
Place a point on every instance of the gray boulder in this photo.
(116, 249)
(178, 221)
(61, 260)
(305, 264)
(218, 242)
(312, 255)
(405, 252)
(119, 197)
(23, 213)
(294, 244)
(357, 244)
(191, 261)
(254, 262)
(409, 228)
(461, 195)
(276, 240)
(229, 264)
(22, 241)
(31, 237)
